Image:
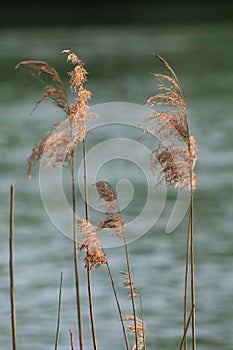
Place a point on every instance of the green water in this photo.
(119, 61)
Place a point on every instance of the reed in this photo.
(115, 222)
(89, 288)
(96, 257)
(58, 147)
(71, 339)
(76, 265)
(175, 158)
(58, 313)
(11, 248)
(118, 306)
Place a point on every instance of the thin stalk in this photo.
(186, 284)
(58, 313)
(71, 339)
(131, 292)
(12, 294)
(78, 301)
(93, 330)
(192, 276)
(118, 306)
(143, 322)
(85, 178)
(186, 329)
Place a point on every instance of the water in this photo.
(119, 61)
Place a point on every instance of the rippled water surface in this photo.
(119, 61)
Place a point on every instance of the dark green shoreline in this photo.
(114, 13)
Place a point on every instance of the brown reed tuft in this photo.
(55, 148)
(109, 202)
(139, 325)
(127, 284)
(139, 330)
(175, 155)
(92, 244)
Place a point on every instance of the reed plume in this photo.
(55, 148)
(58, 146)
(140, 323)
(114, 221)
(79, 116)
(139, 330)
(174, 159)
(95, 255)
(175, 155)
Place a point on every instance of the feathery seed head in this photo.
(95, 258)
(55, 148)
(105, 190)
(91, 243)
(113, 219)
(175, 154)
(139, 329)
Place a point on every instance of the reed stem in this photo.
(93, 330)
(186, 329)
(58, 313)
(85, 178)
(185, 342)
(78, 301)
(71, 339)
(192, 276)
(118, 306)
(143, 321)
(12, 294)
(131, 292)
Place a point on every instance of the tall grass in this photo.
(174, 156)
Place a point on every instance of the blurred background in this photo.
(116, 42)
